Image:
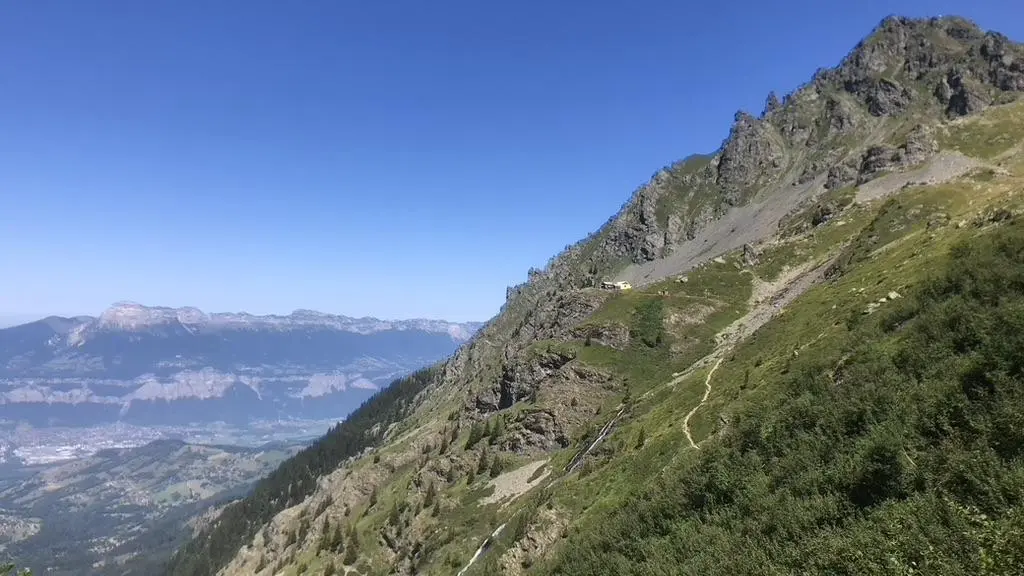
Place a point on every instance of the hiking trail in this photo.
(707, 392)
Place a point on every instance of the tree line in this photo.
(296, 478)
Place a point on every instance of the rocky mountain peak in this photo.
(132, 316)
(912, 44)
(913, 70)
(749, 153)
(947, 59)
(127, 315)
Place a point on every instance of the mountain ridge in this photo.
(134, 362)
(131, 315)
(866, 163)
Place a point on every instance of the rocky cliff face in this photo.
(925, 68)
(533, 373)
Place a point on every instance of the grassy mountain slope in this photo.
(761, 397)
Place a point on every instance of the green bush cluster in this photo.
(901, 454)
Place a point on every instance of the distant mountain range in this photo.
(158, 365)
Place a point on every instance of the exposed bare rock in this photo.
(1006, 62)
(841, 117)
(883, 97)
(840, 175)
(565, 399)
(611, 334)
(878, 159)
(556, 314)
(943, 92)
(750, 256)
(540, 429)
(961, 63)
(521, 378)
(966, 96)
(749, 154)
(920, 145)
(676, 230)
(771, 104)
(541, 534)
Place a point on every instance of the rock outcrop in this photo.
(521, 379)
(750, 154)
(610, 334)
(948, 59)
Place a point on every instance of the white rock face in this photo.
(323, 384)
(135, 316)
(201, 384)
(40, 393)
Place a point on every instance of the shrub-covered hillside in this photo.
(898, 452)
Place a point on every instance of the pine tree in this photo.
(351, 548)
(476, 432)
(395, 516)
(496, 467)
(641, 438)
(497, 430)
(428, 500)
(325, 536)
(481, 466)
(338, 540)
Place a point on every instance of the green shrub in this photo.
(900, 453)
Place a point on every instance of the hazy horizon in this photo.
(9, 320)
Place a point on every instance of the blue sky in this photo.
(396, 159)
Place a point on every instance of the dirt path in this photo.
(767, 301)
(770, 298)
(707, 392)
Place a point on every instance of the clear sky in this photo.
(396, 159)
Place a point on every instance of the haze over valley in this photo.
(120, 430)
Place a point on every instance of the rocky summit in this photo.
(157, 365)
(816, 368)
